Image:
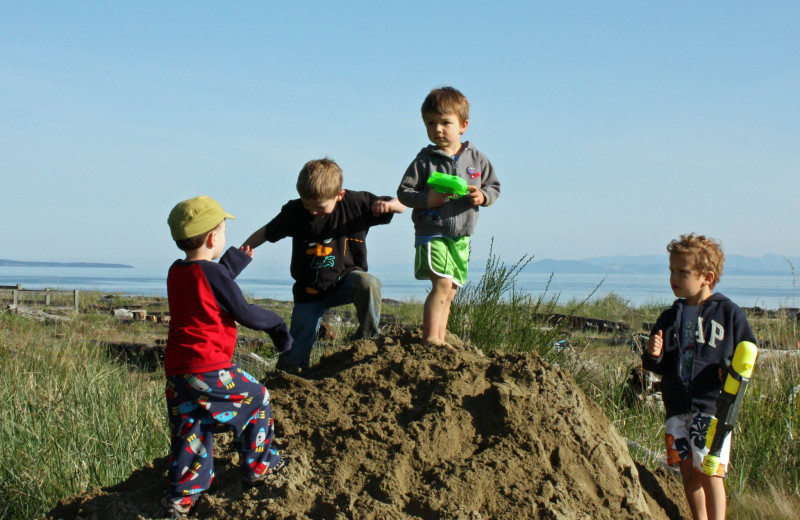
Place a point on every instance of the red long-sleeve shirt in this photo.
(204, 305)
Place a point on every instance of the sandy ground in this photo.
(391, 429)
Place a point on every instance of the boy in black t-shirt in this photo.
(328, 226)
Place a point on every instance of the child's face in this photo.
(319, 208)
(686, 281)
(445, 131)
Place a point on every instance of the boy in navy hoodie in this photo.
(689, 346)
(203, 387)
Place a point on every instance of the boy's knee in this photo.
(366, 289)
(366, 282)
(442, 283)
(692, 480)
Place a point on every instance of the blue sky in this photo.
(613, 126)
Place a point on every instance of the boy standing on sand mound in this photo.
(443, 224)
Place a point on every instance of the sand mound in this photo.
(391, 429)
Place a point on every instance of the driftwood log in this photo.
(578, 322)
(38, 315)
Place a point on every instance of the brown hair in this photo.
(195, 242)
(446, 100)
(706, 251)
(320, 179)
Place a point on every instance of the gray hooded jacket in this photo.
(456, 217)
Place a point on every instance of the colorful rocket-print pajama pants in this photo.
(196, 403)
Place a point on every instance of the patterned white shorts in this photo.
(686, 438)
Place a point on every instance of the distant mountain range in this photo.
(15, 263)
(642, 264)
(656, 264)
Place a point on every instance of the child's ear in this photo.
(341, 194)
(211, 239)
(709, 277)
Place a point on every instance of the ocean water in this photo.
(769, 292)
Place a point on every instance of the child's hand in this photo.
(387, 206)
(436, 199)
(247, 250)
(380, 207)
(655, 344)
(476, 196)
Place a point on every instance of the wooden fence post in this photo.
(15, 297)
(76, 299)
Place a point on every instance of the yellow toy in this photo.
(729, 403)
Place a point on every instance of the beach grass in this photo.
(71, 419)
(495, 314)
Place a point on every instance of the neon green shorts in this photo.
(443, 256)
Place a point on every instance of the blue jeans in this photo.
(359, 288)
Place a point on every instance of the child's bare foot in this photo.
(437, 343)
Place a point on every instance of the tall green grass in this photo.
(768, 432)
(496, 314)
(71, 419)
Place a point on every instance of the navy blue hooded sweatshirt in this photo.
(722, 325)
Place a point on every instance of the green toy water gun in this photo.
(729, 403)
(451, 185)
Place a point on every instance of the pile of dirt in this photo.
(392, 429)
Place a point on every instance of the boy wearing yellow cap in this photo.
(204, 388)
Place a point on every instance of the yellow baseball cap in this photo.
(195, 216)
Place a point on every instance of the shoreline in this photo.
(754, 310)
(765, 292)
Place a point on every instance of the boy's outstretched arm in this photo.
(256, 239)
(231, 300)
(387, 206)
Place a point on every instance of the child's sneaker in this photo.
(258, 479)
(177, 507)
